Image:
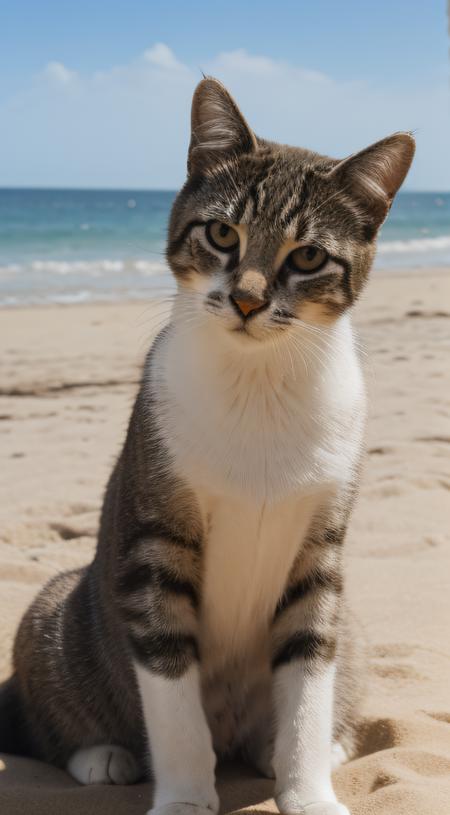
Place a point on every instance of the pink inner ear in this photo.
(379, 170)
(217, 124)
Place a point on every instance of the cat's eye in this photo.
(221, 236)
(307, 259)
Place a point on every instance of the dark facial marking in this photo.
(174, 245)
(216, 296)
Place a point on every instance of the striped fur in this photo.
(213, 618)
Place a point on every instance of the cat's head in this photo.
(263, 235)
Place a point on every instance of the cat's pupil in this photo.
(224, 230)
(311, 253)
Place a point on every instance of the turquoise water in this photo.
(81, 245)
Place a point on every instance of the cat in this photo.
(212, 620)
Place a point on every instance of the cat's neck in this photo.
(298, 357)
(260, 422)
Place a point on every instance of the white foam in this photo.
(78, 281)
(414, 245)
(94, 268)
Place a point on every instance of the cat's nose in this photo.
(246, 303)
(250, 292)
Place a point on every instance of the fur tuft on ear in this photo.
(375, 174)
(218, 128)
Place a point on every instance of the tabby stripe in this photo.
(261, 193)
(156, 529)
(313, 582)
(236, 206)
(175, 585)
(136, 616)
(360, 216)
(239, 207)
(143, 576)
(334, 536)
(142, 620)
(253, 196)
(233, 260)
(259, 178)
(369, 231)
(286, 203)
(346, 280)
(136, 579)
(306, 645)
(299, 204)
(176, 243)
(165, 653)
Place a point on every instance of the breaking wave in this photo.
(93, 268)
(441, 243)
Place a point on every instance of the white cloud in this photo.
(163, 57)
(57, 72)
(128, 125)
(241, 60)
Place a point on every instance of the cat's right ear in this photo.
(375, 174)
(218, 128)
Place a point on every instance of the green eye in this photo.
(221, 236)
(307, 259)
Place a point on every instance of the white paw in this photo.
(180, 809)
(322, 808)
(325, 808)
(291, 805)
(103, 764)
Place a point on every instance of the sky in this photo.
(97, 94)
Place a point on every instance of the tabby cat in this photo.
(212, 620)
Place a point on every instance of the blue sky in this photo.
(98, 93)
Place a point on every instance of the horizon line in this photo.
(38, 188)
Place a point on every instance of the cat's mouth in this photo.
(242, 330)
(246, 333)
(252, 334)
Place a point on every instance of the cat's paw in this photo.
(103, 764)
(322, 808)
(180, 809)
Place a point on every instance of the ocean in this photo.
(74, 246)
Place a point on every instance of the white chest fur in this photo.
(265, 423)
(261, 437)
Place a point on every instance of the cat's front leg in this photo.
(183, 759)
(304, 666)
(158, 601)
(302, 756)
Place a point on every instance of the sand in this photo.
(68, 376)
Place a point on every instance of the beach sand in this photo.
(68, 379)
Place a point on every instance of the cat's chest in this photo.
(248, 551)
(258, 424)
(254, 439)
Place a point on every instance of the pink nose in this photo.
(246, 304)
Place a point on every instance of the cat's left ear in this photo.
(218, 128)
(374, 175)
